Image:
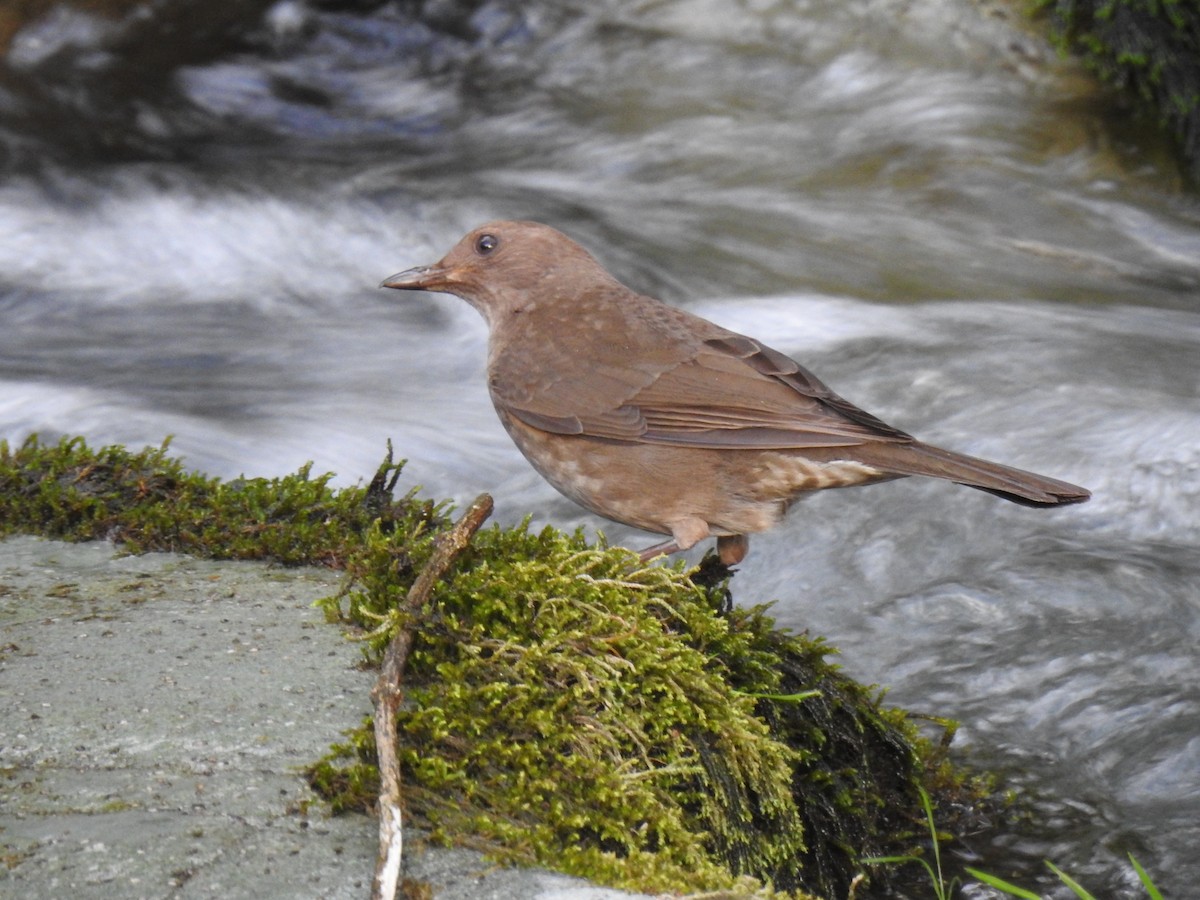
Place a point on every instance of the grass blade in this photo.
(1001, 884)
(938, 883)
(877, 860)
(1145, 879)
(1070, 882)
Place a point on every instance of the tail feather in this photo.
(1017, 485)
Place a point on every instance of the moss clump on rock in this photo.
(572, 708)
(566, 705)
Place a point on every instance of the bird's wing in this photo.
(731, 392)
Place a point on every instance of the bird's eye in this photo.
(486, 243)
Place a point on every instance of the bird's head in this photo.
(506, 267)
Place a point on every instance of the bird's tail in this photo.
(1017, 485)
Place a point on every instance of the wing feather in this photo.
(732, 393)
(658, 374)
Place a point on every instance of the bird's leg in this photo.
(732, 548)
(684, 535)
(666, 548)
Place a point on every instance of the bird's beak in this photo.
(420, 278)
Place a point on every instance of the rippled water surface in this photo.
(919, 200)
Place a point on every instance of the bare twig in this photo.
(387, 694)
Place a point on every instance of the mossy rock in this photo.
(1150, 48)
(566, 705)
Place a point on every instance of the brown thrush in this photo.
(659, 419)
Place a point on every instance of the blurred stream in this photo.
(920, 201)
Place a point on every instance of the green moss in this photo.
(565, 705)
(1150, 48)
(147, 501)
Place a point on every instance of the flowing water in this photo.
(951, 225)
